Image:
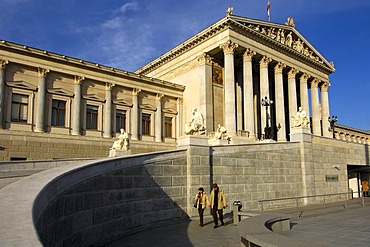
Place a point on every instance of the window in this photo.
(145, 123)
(58, 113)
(92, 117)
(120, 120)
(19, 108)
(168, 127)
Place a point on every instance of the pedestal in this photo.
(300, 134)
(118, 153)
(192, 140)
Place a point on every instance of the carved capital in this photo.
(325, 86)
(304, 78)
(42, 72)
(248, 54)
(109, 86)
(229, 47)
(292, 73)
(315, 83)
(3, 63)
(159, 96)
(204, 59)
(279, 68)
(265, 61)
(136, 91)
(78, 79)
(180, 101)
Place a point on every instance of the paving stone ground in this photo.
(335, 228)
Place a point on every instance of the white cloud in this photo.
(129, 6)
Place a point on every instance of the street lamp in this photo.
(266, 103)
(332, 121)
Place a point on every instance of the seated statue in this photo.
(196, 125)
(220, 132)
(123, 142)
(300, 119)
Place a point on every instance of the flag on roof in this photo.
(268, 9)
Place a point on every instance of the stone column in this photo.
(279, 101)
(158, 118)
(41, 100)
(230, 111)
(304, 93)
(205, 90)
(315, 105)
(76, 118)
(108, 110)
(3, 64)
(135, 114)
(239, 99)
(264, 89)
(179, 121)
(292, 93)
(248, 93)
(325, 113)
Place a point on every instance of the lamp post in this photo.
(266, 103)
(333, 119)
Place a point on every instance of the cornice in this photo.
(81, 64)
(343, 127)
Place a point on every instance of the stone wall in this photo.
(38, 146)
(98, 202)
(112, 198)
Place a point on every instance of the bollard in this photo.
(237, 205)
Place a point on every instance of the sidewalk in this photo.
(334, 229)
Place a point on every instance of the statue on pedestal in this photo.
(123, 142)
(300, 120)
(196, 125)
(220, 132)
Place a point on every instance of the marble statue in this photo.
(123, 142)
(290, 22)
(196, 125)
(300, 120)
(220, 132)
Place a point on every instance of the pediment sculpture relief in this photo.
(287, 38)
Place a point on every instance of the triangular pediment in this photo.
(169, 110)
(21, 84)
(286, 36)
(263, 32)
(60, 91)
(122, 103)
(93, 97)
(148, 107)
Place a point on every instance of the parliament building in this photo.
(53, 106)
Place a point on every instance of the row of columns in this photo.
(249, 121)
(40, 117)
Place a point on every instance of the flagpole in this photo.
(268, 10)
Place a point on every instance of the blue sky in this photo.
(129, 34)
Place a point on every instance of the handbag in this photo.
(196, 203)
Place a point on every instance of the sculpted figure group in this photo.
(196, 124)
(300, 119)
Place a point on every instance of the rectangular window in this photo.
(120, 120)
(19, 108)
(58, 113)
(168, 127)
(91, 117)
(145, 123)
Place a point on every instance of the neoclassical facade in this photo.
(229, 67)
(55, 106)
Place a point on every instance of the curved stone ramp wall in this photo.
(96, 202)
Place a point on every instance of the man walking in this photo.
(217, 203)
